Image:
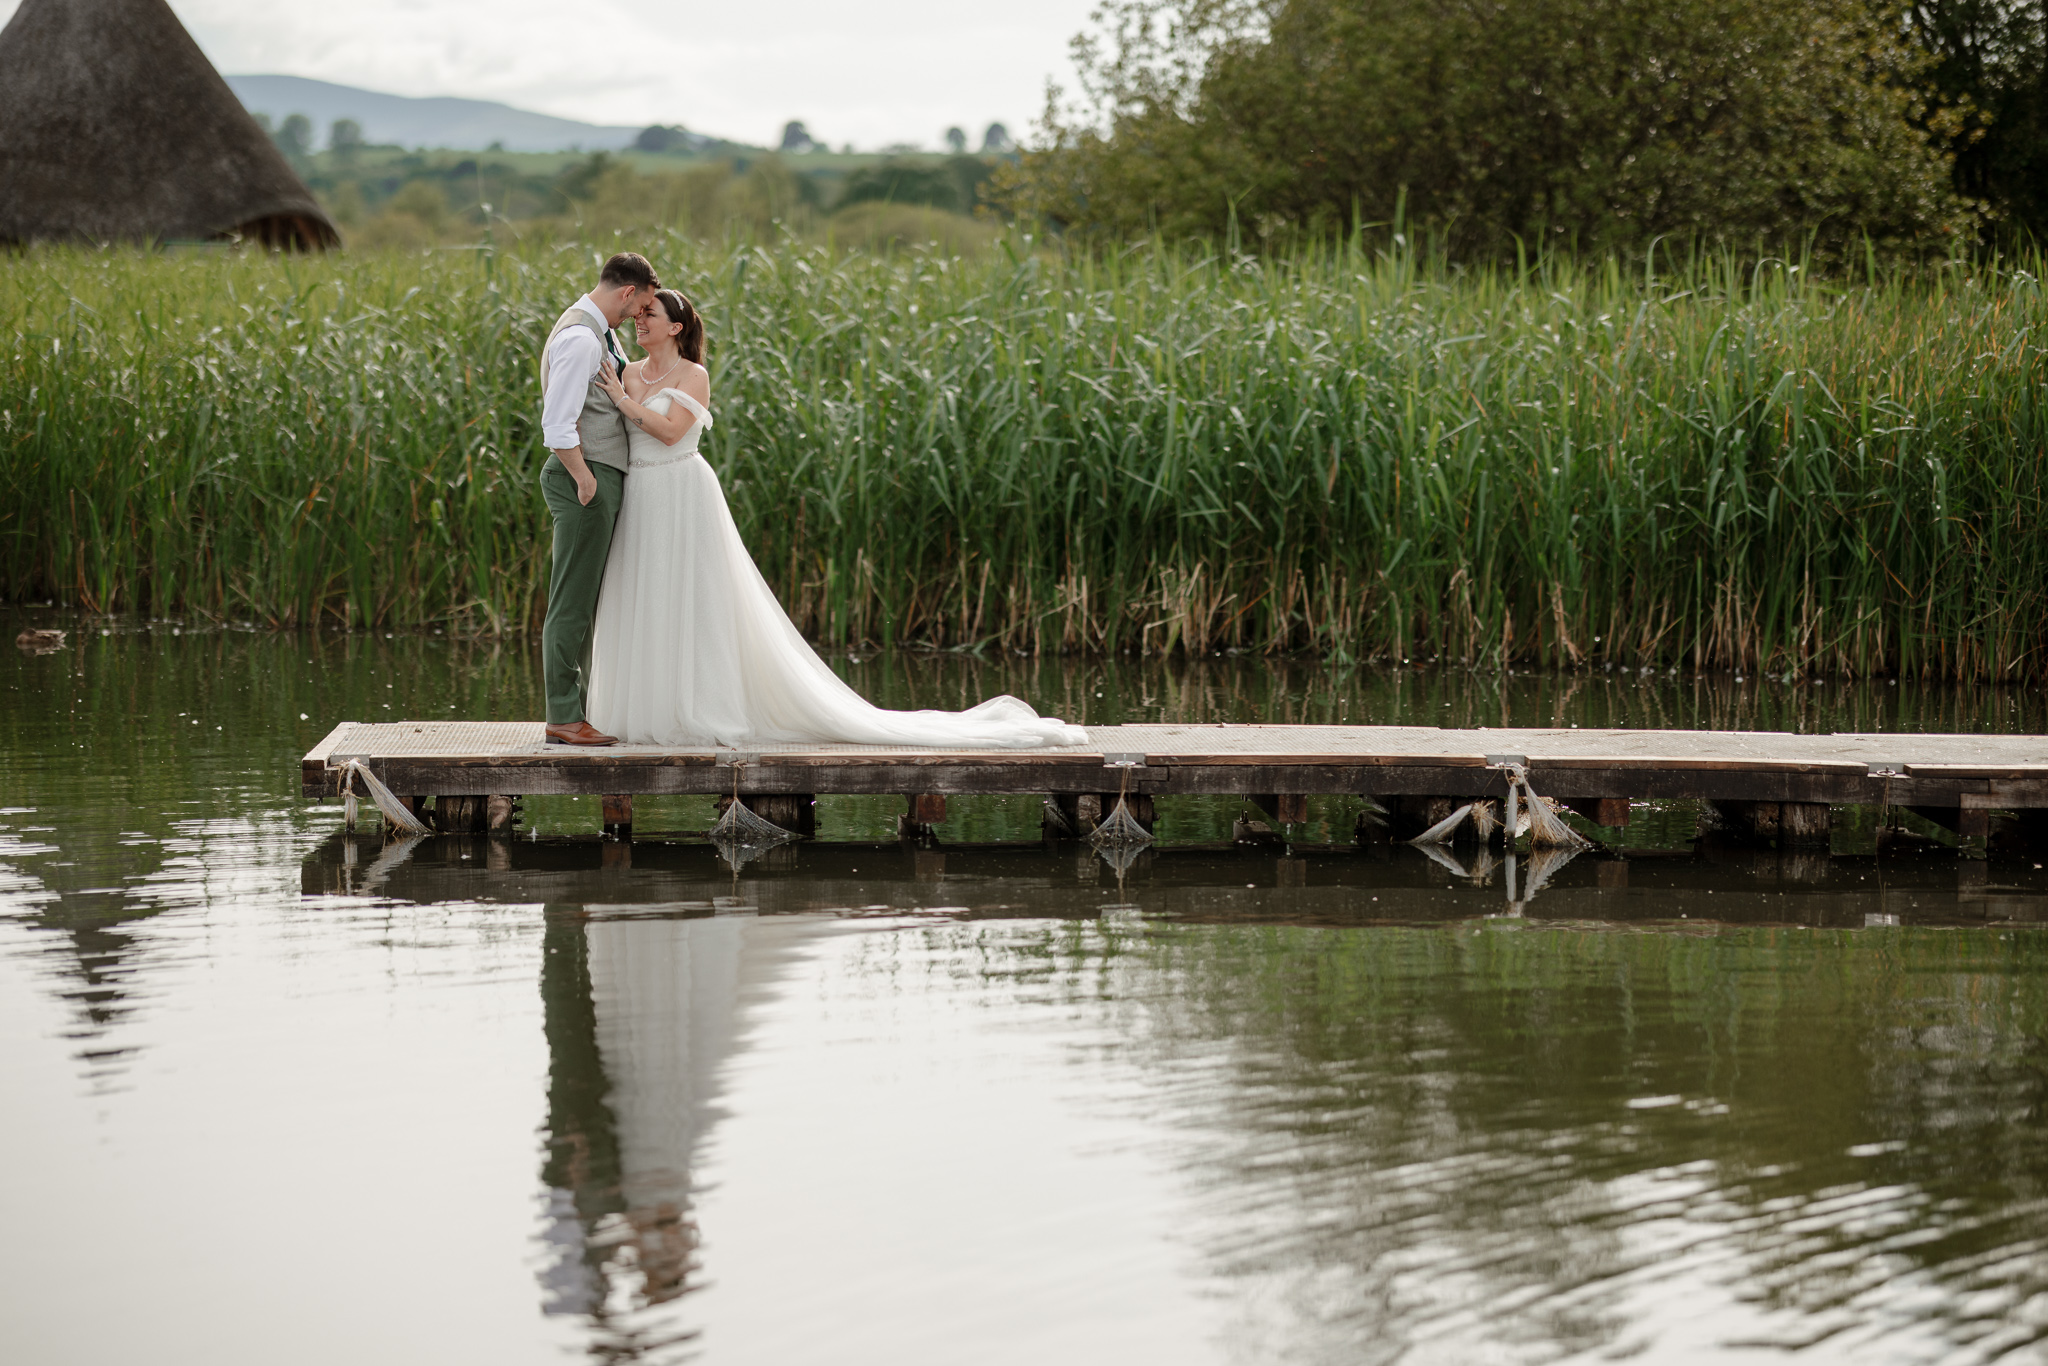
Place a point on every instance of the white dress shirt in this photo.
(569, 365)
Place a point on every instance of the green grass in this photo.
(1350, 450)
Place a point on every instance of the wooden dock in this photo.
(1776, 784)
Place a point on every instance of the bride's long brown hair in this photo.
(689, 341)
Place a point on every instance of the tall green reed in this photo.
(1351, 449)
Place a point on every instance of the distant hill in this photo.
(466, 125)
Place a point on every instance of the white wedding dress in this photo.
(690, 646)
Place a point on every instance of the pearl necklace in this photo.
(664, 374)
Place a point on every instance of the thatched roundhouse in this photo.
(114, 126)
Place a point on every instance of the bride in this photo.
(690, 646)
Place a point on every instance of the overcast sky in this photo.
(866, 73)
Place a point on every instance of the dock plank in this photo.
(429, 758)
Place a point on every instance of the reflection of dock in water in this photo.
(655, 950)
(641, 1012)
(1330, 886)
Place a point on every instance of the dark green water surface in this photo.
(275, 1093)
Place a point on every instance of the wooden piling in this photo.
(1805, 825)
(413, 803)
(462, 814)
(501, 814)
(1609, 813)
(1789, 825)
(1286, 808)
(618, 815)
(923, 811)
(1083, 811)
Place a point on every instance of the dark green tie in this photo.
(611, 347)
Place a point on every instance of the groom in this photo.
(583, 481)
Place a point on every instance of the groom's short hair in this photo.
(629, 268)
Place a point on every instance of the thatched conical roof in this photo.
(113, 126)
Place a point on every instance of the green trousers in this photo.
(583, 538)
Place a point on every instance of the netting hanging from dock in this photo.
(1547, 829)
(393, 809)
(1526, 812)
(1441, 832)
(1120, 829)
(739, 825)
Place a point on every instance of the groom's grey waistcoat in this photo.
(600, 426)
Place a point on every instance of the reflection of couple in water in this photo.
(660, 628)
(641, 1011)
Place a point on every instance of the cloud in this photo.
(894, 70)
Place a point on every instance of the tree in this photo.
(996, 140)
(423, 200)
(956, 140)
(295, 138)
(1990, 66)
(659, 138)
(580, 179)
(797, 138)
(345, 141)
(905, 182)
(1598, 123)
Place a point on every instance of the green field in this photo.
(384, 197)
(1353, 450)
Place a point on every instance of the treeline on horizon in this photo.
(1358, 448)
(1505, 126)
(1852, 127)
(385, 197)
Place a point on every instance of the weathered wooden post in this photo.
(461, 815)
(415, 804)
(501, 814)
(925, 810)
(1286, 808)
(1083, 811)
(1789, 825)
(793, 811)
(618, 815)
(1805, 825)
(1610, 813)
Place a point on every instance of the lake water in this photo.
(278, 1094)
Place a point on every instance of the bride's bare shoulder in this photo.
(695, 381)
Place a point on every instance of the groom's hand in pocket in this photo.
(579, 473)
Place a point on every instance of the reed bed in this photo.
(1353, 449)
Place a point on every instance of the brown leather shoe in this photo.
(579, 733)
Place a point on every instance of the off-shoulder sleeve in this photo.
(703, 413)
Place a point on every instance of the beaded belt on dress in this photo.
(667, 460)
